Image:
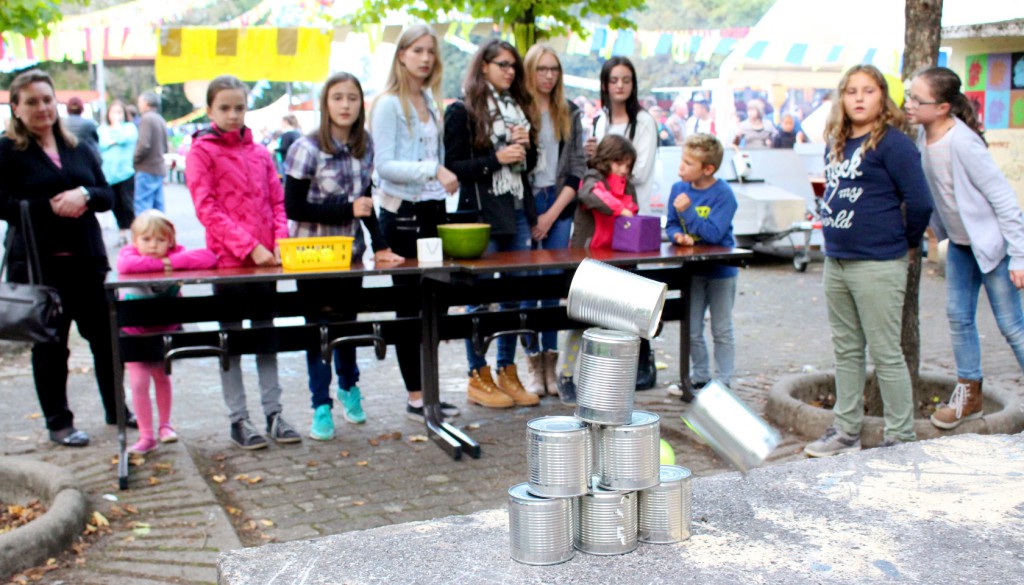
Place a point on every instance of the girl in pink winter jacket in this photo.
(154, 249)
(239, 200)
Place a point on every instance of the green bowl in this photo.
(464, 240)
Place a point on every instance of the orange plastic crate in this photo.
(324, 253)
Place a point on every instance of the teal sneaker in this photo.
(322, 428)
(352, 400)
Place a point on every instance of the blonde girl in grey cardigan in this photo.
(976, 208)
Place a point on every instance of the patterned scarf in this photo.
(505, 112)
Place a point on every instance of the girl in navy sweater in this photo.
(875, 210)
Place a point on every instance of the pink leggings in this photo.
(139, 374)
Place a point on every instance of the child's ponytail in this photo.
(945, 85)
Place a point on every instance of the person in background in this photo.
(561, 164)
(290, 132)
(117, 149)
(976, 208)
(490, 142)
(239, 200)
(328, 193)
(149, 155)
(755, 132)
(700, 211)
(408, 150)
(787, 135)
(874, 212)
(42, 163)
(701, 120)
(665, 137)
(154, 249)
(676, 123)
(131, 114)
(83, 128)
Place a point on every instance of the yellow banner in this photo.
(251, 54)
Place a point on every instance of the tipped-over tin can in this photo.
(540, 529)
(606, 296)
(606, 522)
(729, 427)
(629, 456)
(665, 509)
(606, 376)
(559, 456)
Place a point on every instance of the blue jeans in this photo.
(717, 295)
(963, 281)
(506, 345)
(149, 192)
(320, 373)
(558, 239)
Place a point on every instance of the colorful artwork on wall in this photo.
(995, 85)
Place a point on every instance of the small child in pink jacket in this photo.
(605, 193)
(154, 249)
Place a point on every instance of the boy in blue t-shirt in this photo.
(700, 211)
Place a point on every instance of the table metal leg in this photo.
(449, 438)
(684, 331)
(119, 401)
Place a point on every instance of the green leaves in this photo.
(31, 18)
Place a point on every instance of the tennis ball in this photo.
(668, 456)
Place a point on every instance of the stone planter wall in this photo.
(788, 406)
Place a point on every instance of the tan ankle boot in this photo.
(483, 391)
(964, 404)
(508, 382)
(551, 372)
(534, 381)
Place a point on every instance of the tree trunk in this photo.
(921, 49)
(524, 30)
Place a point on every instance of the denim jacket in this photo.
(397, 150)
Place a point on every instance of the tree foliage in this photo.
(32, 18)
(557, 17)
(695, 14)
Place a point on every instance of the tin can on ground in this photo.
(665, 509)
(729, 427)
(559, 456)
(629, 456)
(540, 529)
(606, 376)
(603, 295)
(605, 522)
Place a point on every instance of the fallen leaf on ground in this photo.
(373, 442)
(267, 523)
(312, 463)
(164, 466)
(34, 416)
(131, 509)
(241, 477)
(343, 454)
(358, 503)
(233, 510)
(218, 478)
(362, 463)
(154, 481)
(99, 519)
(254, 480)
(473, 426)
(396, 436)
(418, 439)
(140, 528)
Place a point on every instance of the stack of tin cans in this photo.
(595, 482)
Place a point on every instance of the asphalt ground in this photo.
(191, 500)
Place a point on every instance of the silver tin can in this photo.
(606, 376)
(605, 522)
(540, 529)
(729, 427)
(606, 296)
(666, 508)
(559, 456)
(629, 456)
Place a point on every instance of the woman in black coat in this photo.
(490, 139)
(40, 162)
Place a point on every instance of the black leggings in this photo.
(412, 222)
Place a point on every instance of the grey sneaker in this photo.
(245, 435)
(890, 441)
(833, 442)
(279, 429)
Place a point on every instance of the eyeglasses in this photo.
(549, 70)
(504, 65)
(915, 102)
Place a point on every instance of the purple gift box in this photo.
(640, 233)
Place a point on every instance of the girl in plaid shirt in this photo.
(327, 193)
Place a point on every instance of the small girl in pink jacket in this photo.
(154, 249)
(239, 200)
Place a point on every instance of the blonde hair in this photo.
(838, 127)
(16, 129)
(153, 221)
(558, 107)
(398, 77)
(705, 148)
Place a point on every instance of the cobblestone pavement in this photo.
(185, 499)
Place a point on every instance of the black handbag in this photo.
(28, 312)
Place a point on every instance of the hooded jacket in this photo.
(237, 194)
